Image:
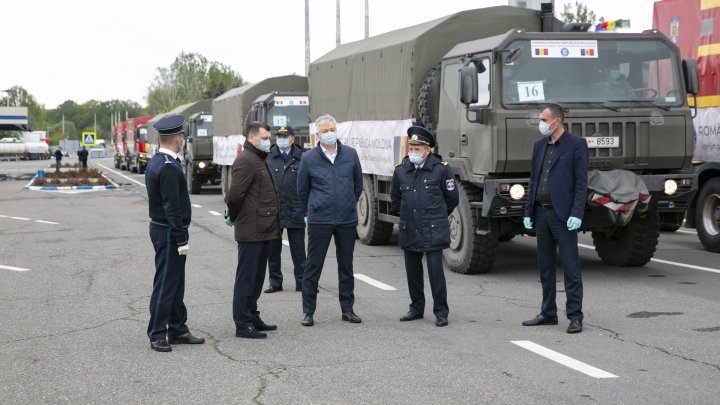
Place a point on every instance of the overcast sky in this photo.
(102, 50)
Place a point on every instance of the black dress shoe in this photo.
(187, 339)
(411, 316)
(307, 320)
(540, 320)
(273, 289)
(575, 326)
(160, 345)
(351, 317)
(250, 333)
(441, 321)
(264, 327)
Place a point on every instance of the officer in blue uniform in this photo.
(424, 192)
(284, 161)
(169, 206)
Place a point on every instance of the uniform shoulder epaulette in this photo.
(402, 161)
(167, 160)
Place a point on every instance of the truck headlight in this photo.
(670, 187)
(517, 191)
(202, 165)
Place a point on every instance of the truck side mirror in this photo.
(469, 84)
(690, 74)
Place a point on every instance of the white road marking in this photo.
(13, 268)
(286, 243)
(684, 231)
(21, 218)
(215, 213)
(46, 222)
(196, 205)
(566, 361)
(3, 216)
(120, 174)
(374, 282)
(687, 266)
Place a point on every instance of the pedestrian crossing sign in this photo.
(88, 138)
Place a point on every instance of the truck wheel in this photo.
(469, 253)
(193, 180)
(429, 98)
(371, 230)
(141, 169)
(136, 166)
(707, 216)
(671, 221)
(633, 245)
(117, 163)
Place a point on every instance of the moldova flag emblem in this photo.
(587, 52)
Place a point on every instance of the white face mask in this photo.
(544, 128)
(416, 158)
(283, 143)
(328, 138)
(182, 145)
(264, 145)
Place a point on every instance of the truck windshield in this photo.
(595, 73)
(142, 134)
(204, 128)
(296, 116)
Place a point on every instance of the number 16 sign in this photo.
(531, 91)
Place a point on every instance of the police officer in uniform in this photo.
(169, 205)
(284, 161)
(424, 192)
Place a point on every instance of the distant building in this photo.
(532, 4)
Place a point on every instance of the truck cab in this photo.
(198, 152)
(279, 109)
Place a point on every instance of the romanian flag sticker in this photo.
(564, 49)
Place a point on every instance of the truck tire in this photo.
(469, 253)
(193, 180)
(633, 245)
(141, 169)
(117, 163)
(671, 221)
(135, 168)
(371, 230)
(707, 216)
(429, 99)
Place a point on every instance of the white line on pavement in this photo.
(374, 282)
(687, 266)
(46, 222)
(566, 361)
(286, 243)
(684, 231)
(196, 205)
(21, 218)
(13, 268)
(215, 213)
(3, 216)
(120, 174)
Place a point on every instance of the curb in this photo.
(112, 186)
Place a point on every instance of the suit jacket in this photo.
(567, 179)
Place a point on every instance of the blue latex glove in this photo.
(305, 220)
(573, 223)
(228, 222)
(527, 222)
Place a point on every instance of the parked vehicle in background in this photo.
(199, 168)
(136, 144)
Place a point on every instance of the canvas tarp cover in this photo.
(378, 78)
(230, 108)
(186, 110)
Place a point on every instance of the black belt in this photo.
(546, 205)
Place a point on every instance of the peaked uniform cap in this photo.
(418, 135)
(285, 131)
(170, 125)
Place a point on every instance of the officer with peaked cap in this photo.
(169, 206)
(424, 192)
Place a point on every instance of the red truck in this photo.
(694, 26)
(119, 144)
(136, 143)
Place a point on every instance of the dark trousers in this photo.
(552, 237)
(84, 163)
(414, 271)
(57, 166)
(296, 240)
(167, 310)
(318, 243)
(249, 278)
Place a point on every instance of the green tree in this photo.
(17, 96)
(191, 77)
(579, 13)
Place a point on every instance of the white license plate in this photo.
(603, 141)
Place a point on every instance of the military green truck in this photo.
(198, 143)
(276, 101)
(477, 79)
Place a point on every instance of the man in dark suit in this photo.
(555, 207)
(253, 209)
(170, 213)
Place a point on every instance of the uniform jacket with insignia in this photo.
(292, 212)
(168, 197)
(424, 199)
(252, 198)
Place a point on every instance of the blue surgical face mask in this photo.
(416, 158)
(544, 128)
(614, 74)
(264, 145)
(328, 138)
(283, 143)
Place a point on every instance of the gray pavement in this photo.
(72, 327)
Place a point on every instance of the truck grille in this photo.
(627, 131)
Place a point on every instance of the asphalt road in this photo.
(73, 322)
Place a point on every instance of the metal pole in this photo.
(337, 23)
(367, 19)
(307, 37)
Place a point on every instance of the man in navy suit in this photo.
(555, 207)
